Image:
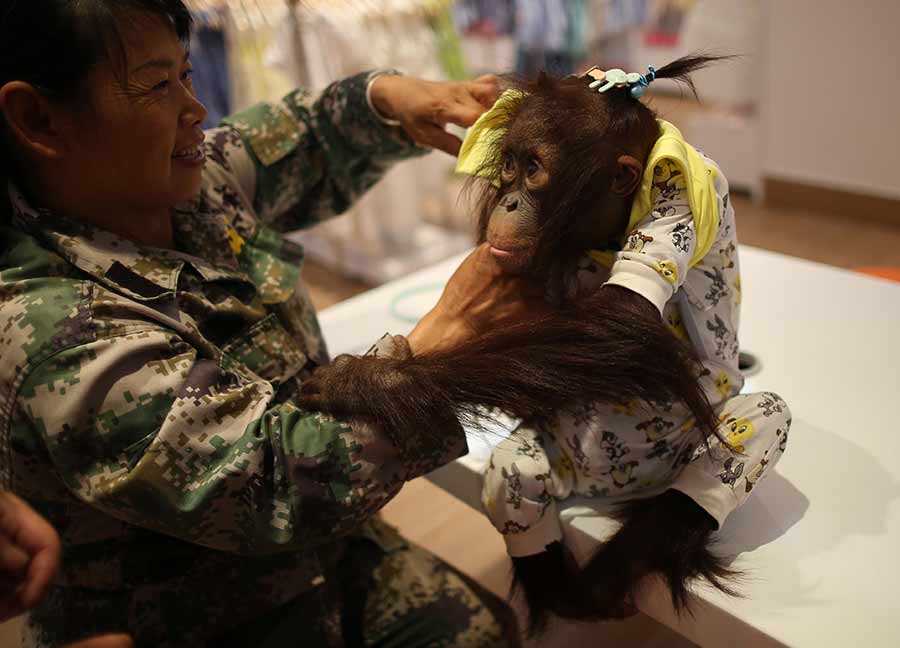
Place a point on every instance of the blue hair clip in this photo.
(637, 90)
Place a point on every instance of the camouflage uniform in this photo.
(148, 412)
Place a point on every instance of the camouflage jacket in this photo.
(148, 394)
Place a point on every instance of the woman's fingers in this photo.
(462, 112)
(25, 533)
(485, 89)
(40, 576)
(13, 560)
(436, 137)
(425, 108)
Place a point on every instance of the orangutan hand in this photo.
(389, 388)
(478, 298)
(349, 385)
(424, 108)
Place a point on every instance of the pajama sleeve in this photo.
(655, 258)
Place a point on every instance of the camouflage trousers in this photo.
(383, 592)
(402, 598)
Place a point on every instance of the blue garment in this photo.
(211, 82)
(624, 14)
(576, 15)
(528, 64)
(541, 25)
(500, 13)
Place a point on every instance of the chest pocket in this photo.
(268, 350)
(273, 264)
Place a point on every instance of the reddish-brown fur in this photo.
(609, 346)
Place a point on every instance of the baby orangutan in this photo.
(627, 388)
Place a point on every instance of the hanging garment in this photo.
(449, 47)
(249, 32)
(489, 18)
(542, 35)
(384, 235)
(211, 76)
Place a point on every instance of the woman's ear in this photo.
(31, 121)
(628, 176)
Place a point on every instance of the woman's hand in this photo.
(104, 641)
(29, 556)
(478, 297)
(424, 108)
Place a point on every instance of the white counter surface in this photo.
(820, 538)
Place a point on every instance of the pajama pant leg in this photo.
(527, 473)
(757, 427)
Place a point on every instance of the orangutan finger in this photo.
(312, 402)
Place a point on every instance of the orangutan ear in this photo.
(628, 176)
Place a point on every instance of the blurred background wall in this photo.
(832, 94)
(804, 118)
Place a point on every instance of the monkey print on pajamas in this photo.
(637, 449)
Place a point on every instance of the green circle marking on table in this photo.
(396, 302)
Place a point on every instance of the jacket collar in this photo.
(141, 272)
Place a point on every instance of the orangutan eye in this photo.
(508, 170)
(533, 167)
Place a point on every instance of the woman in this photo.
(155, 334)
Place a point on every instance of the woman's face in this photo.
(138, 143)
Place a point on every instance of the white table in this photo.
(820, 538)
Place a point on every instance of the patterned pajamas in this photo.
(623, 453)
(637, 449)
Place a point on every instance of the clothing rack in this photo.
(246, 51)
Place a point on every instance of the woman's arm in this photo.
(305, 159)
(141, 425)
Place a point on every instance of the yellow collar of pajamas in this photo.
(698, 182)
(484, 136)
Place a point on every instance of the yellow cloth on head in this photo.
(481, 141)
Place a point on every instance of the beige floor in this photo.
(463, 537)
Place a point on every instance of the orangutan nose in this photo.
(511, 204)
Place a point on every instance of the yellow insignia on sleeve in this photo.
(235, 240)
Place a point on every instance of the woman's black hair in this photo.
(53, 45)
